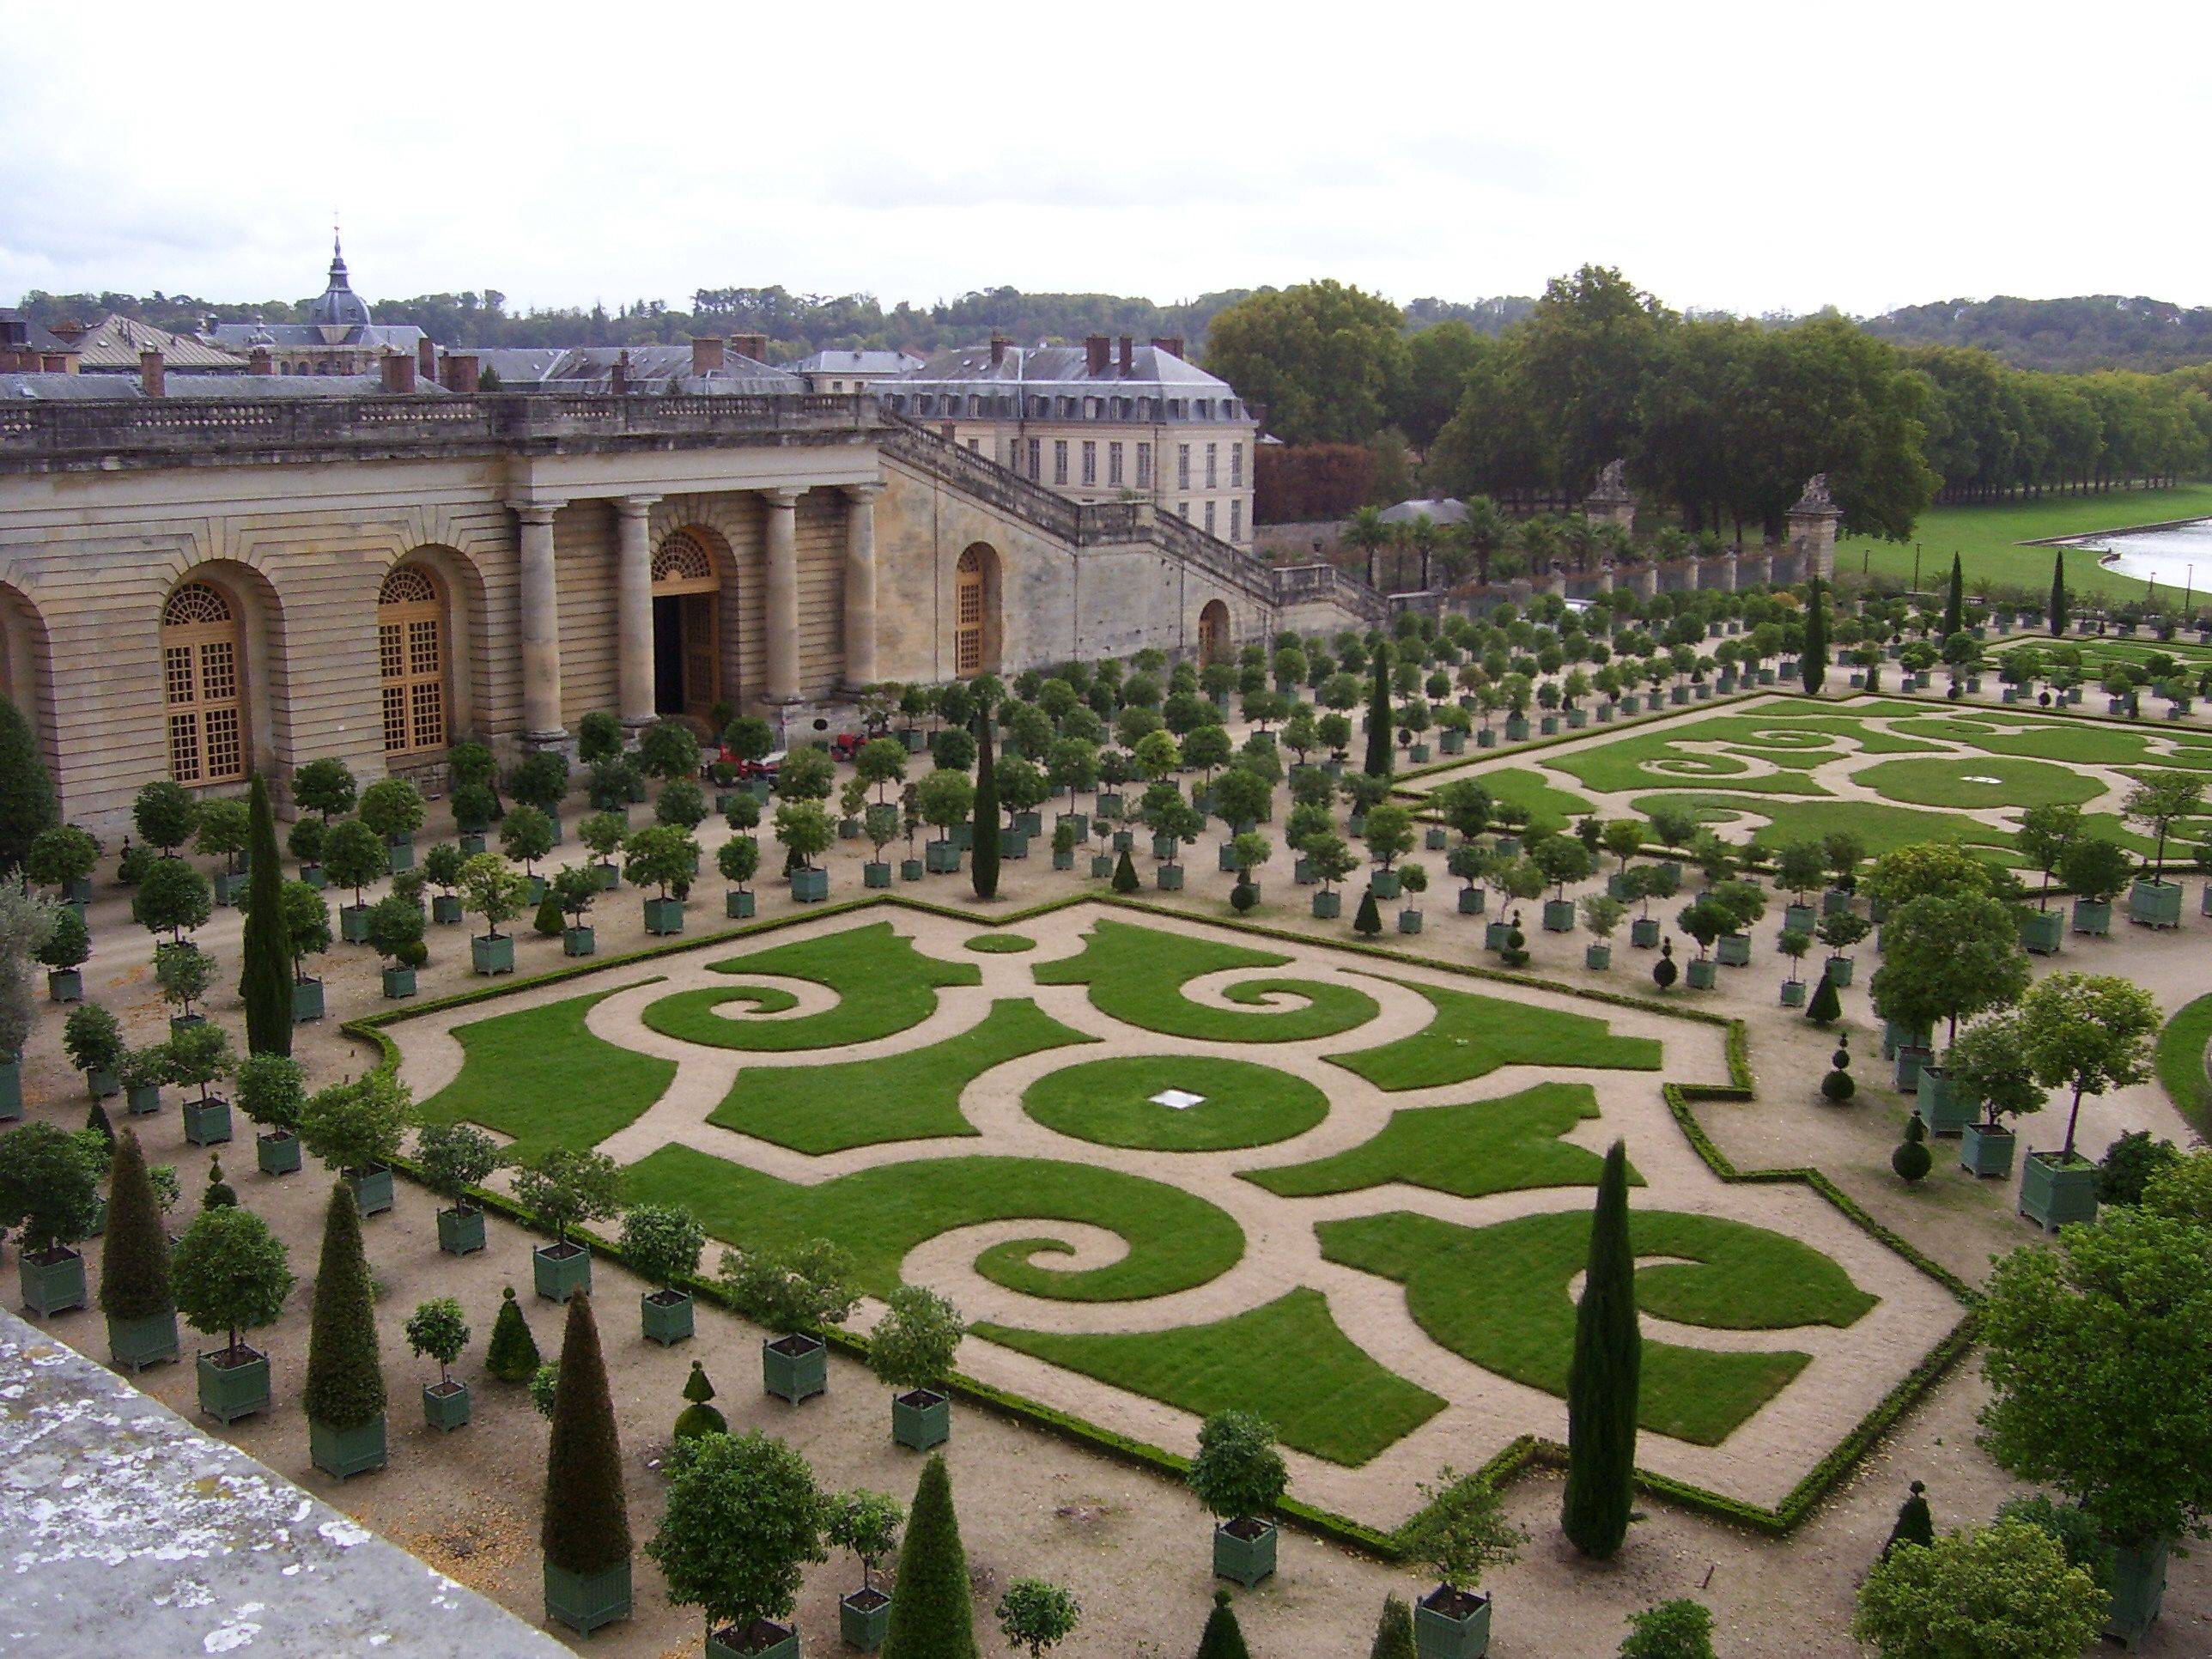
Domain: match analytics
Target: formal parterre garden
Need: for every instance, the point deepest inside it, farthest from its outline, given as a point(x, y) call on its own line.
point(1192, 1166)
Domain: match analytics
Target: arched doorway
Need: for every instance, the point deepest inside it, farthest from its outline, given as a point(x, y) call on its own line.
point(686, 591)
point(1213, 642)
point(204, 679)
point(975, 612)
point(411, 655)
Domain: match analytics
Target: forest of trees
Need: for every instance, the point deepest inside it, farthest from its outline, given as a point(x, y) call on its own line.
point(2093, 330)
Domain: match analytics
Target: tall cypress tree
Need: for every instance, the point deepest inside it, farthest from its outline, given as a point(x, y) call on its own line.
point(1813, 665)
point(932, 1616)
point(1378, 716)
point(1954, 601)
point(27, 793)
point(1602, 1377)
point(983, 856)
point(586, 1525)
point(134, 1270)
point(2057, 593)
point(345, 1380)
point(265, 984)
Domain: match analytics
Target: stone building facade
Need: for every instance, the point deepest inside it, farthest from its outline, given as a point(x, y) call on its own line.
point(202, 585)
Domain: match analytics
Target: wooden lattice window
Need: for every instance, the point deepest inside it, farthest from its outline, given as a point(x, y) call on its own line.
point(969, 612)
point(410, 657)
point(203, 670)
point(681, 565)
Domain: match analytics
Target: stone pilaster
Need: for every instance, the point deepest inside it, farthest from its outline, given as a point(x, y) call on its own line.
point(861, 585)
point(1812, 526)
point(541, 625)
point(781, 544)
point(634, 611)
point(1728, 566)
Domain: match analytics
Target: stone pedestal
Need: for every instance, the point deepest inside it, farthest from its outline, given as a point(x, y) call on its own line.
point(1813, 525)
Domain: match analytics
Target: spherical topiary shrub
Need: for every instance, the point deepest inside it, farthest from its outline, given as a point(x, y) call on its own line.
point(1838, 1085)
point(1911, 1160)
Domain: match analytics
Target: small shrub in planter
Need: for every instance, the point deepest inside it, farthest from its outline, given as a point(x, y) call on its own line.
point(438, 1330)
point(1460, 1531)
point(664, 856)
point(93, 1039)
point(494, 890)
point(50, 1198)
point(912, 1350)
point(357, 1128)
point(866, 1523)
point(395, 931)
point(661, 1242)
point(142, 1072)
point(135, 1292)
point(795, 1292)
point(566, 1188)
point(196, 1057)
point(743, 1519)
point(454, 1159)
point(1038, 1615)
point(738, 860)
point(230, 1273)
point(271, 1094)
point(1239, 1475)
point(64, 954)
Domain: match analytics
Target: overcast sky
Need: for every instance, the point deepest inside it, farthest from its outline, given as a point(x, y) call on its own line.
point(1751, 158)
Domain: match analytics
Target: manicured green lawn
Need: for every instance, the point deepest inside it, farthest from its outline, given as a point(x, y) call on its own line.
point(1109, 1102)
point(2181, 1055)
point(883, 984)
point(999, 945)
point(1469, 1150)
point(1782, 737)
point(1136, 974)
point(1951, 782)
point(1473, 1035)
point(1288, 1361)
point(1883, 829)
point(541, 1076)
point(1175, 1239)
point(1548, 806)
point(1987, 540)
point(864, 1103)
point(1498, 1296)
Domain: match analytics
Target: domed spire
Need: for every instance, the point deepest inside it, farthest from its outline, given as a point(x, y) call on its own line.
point(339, 309)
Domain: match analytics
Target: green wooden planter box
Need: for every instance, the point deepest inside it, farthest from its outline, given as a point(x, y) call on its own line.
point(2052, 1194)
point(964, 837)
point(53, 1286)
point(1734, 950)
point(1547, 725)
point(1558, 915)
point(1485, 739)
point(942, 858)
point(65, 985)
point(560, 1271)
point(921, 1420)
point(1109, 804)
point(1793, 993)
point(2156, 904)
point(445, 909)
point(345, 1453)
point(667, 1316)
point(1227, 857)
point(534, 890)
point(135, 1343)
point(473, 842)
point(353, 923)
point(609, 875)
point(371, 1190)
point(2041, 930)
point(1835, 901)
point(579, 941)
point(1165, 847)
point(1605, 713)
point(2205, 901)
point(398, 984)
point(1840, 969)
point(1598, 958)
point(1472, 901)
point(1059, 861)
point(795, 1368)
point(864, 1619)
point(737, 906)
point(1245, 1551)
point(446, 1406)
point(848, 829)
point(1798, 917)
point(2092, 916)
point(1168, 878)
point(875, 873)
point(1409, 920)
point(1517, 731)
point(665, 916)
point(228, 1392)
point(460, 1231)
point(765, 1640)
point(11, 1091)
point(1080, 820)
point(277, 1154)
point(313, 875)
point(228, 887)
point(143, 1099)
point(586, 1601)
point(1452, 742)
point(207, 1122)
point(910, 869)
point(1455, 1627)
point(1124, 840)
point(1385, 883)
point(1643, 932)
point(2138, 1590)
point(1703, 972)
point(1941, 1107)
point(1507, 847)
point(1327, 907)
point(1013, 842)
point(1102, 866)
point(1912, 1057)
point(490, 957)
point(809, 886)
point(307, 1001)
point(1986, 1149)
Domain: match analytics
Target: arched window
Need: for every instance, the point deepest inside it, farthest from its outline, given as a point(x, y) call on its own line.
point(971, 611)
point(1213, 645)
point(203, 675)
point(410, 656)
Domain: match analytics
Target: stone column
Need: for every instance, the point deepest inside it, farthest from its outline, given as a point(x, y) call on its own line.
point(1728, 571)
point(1645, 581)
point(1605, 576)
point(1762, 568)
point(634, 611)
point(541, 625)
point(781, 541)
point(861, 585)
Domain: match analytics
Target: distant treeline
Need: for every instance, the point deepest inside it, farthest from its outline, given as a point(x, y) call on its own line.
point(2093, 331)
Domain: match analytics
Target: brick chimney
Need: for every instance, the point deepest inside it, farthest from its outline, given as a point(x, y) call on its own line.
point(999, 344)
point(706, 353)
point(1170, 343)
point(1128, 355)
point(1097, 351)
point(153, 374)
point(426, 361)
point(754, 346)
point(261, 361)
point(398, 372)
point(459, 371)
point(619, 377)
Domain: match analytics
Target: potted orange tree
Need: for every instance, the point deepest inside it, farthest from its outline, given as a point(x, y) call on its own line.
point(912, 1350)
point(1239, 1475)
point(795, 1292)
point(565, 1189)
point(661, 1243)
point(1460, 1531)
point(867, 1523)
point(230, 1273)
point(743, 1519)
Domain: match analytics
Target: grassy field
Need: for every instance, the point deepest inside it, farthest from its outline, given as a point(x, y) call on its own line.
point(1109, 1102)
point(883, 984)
point(1498, 1296)
point(1548, 806)
point(541, 1076)
point(1288, 1361)
point(915, 1096)
point(1468, 1150)
point(1987, 540)
point(1136, 974)
point(1473, 1035)
point(1951, 782)
point(1176, 1240)
point(2181, 1055)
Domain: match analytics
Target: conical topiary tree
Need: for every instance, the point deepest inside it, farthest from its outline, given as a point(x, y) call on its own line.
point(1839, 1085)
point(345, 1380)
point(549, 921)
point(27, 793)
point(1377, 763)
point(134, 1269)
point(1223, 1637)
point(1914, 1524)
point(1603, 1378)
point(983, 852)
point(1368, 921)
point(513, 1355)
point(586, 1525)
point(2057, 593)
point(266, 981)
point(1826, 1007)
point(698, 1418)
point(932, 1616)
point(1125, 874)
point(1393, 1632)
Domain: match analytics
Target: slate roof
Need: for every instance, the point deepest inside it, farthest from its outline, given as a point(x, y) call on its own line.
point(862, 361)
point(1149, 365)
point(114, 342)
point(652, 368)
point(238, 337)
point(95, 388)
point(17, 330)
